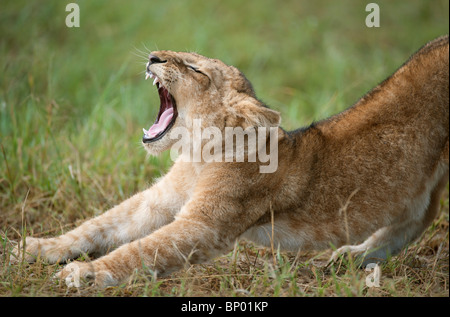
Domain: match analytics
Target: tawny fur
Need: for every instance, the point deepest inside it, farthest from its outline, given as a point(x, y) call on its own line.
point(369, 178)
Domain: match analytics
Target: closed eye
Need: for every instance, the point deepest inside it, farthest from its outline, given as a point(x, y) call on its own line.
point(195, 69)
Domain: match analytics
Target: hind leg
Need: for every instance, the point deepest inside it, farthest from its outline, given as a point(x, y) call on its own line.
point(390, 240)
point(383, 243)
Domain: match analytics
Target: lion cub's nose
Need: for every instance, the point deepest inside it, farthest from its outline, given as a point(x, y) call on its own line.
point(155, 59)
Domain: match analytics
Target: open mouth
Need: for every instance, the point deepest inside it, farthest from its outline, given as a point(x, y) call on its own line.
point(166, 116)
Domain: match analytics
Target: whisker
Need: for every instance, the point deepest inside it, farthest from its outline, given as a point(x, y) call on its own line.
point(141, 51)
point(140, 63)
point(140, 56)
point(149, 51)
point(141, 72)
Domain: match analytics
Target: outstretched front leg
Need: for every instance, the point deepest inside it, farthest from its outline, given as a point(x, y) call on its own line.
point(187, 239)
point(134, 218)
point(207, 226)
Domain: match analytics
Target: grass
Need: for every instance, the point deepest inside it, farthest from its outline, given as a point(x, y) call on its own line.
point(73, 103)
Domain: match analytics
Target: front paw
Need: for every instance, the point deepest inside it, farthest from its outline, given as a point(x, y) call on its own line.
point(76, 274)
point(28, 252)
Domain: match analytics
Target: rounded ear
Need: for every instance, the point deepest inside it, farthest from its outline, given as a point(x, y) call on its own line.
point(255, 114)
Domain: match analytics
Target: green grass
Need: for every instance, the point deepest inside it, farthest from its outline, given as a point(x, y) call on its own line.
point(73, 103)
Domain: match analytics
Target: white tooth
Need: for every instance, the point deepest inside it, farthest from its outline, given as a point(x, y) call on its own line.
point(147, 75)
point(155, 81)
point(145, 131)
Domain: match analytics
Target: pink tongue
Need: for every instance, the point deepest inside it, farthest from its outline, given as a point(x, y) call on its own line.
point(163, 122)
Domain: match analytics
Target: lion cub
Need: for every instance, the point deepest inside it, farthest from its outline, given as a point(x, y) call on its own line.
point(367, 180)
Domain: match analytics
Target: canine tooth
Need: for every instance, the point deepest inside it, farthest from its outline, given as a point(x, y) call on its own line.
point(155, 81)
point(147, 75)
point(145, 131)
